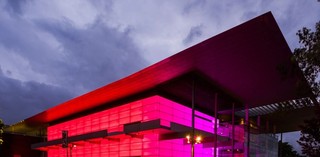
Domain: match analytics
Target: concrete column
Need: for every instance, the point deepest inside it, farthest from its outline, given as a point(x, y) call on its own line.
point(215, 124)
point(193, 111)
point(258, 152)
point(247, 122)
point(233, 129)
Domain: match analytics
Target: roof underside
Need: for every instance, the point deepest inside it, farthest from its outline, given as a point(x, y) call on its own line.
point(250, 64)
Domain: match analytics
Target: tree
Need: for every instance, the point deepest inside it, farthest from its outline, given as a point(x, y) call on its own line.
point(308, 58)
point(1, 131)
point(310, 137)
point(286, 150)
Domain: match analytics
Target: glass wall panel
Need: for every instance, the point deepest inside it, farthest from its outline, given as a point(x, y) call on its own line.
point(150, 143)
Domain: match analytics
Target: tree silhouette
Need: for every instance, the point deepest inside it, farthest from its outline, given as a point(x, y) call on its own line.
point(308, 57)
point(310, 137)
point(287, 150)
point(1, 131)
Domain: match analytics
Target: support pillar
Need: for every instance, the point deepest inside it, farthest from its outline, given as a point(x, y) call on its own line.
point(233, 129)
point(258, 149)
point(280, 145)
point(267, 138)
point(192, 119)
point(215, 124)
point(247, 122)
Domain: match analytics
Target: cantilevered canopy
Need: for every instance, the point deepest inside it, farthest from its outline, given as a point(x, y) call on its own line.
point(249, 64)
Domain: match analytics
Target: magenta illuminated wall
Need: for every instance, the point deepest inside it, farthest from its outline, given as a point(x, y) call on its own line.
point(148, 144)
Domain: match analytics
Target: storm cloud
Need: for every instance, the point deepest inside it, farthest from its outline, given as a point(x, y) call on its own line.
point(20, 99)
point(45, 61)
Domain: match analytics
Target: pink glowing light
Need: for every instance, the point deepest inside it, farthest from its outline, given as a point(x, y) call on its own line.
point(114, 119)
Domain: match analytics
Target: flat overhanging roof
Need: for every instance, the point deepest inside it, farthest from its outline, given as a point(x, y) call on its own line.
point(250, 63)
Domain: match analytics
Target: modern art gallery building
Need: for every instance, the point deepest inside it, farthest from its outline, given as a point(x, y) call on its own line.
point(226, 96)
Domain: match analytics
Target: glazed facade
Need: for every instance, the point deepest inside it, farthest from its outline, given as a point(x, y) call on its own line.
point(153, 127)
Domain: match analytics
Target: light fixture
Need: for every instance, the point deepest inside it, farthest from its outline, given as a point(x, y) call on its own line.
point(197, 139)
point(188, 138)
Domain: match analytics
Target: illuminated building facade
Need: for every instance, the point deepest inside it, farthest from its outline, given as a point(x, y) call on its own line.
point(150, 127)
point(141, 128)
point(226, 96)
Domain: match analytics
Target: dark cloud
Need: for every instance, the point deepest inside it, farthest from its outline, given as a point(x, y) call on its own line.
point(80, 60)
point(86, 58)
point(15, 6)
point(19, 100)
point(93, 56)
point(194, 33)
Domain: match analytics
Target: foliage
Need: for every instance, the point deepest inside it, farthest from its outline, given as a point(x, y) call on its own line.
point(310, 137)
point(1, 131)
point(308, 56)
point(286, 150)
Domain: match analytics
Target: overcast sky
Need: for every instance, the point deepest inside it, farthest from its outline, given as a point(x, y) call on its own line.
point(54, 50)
